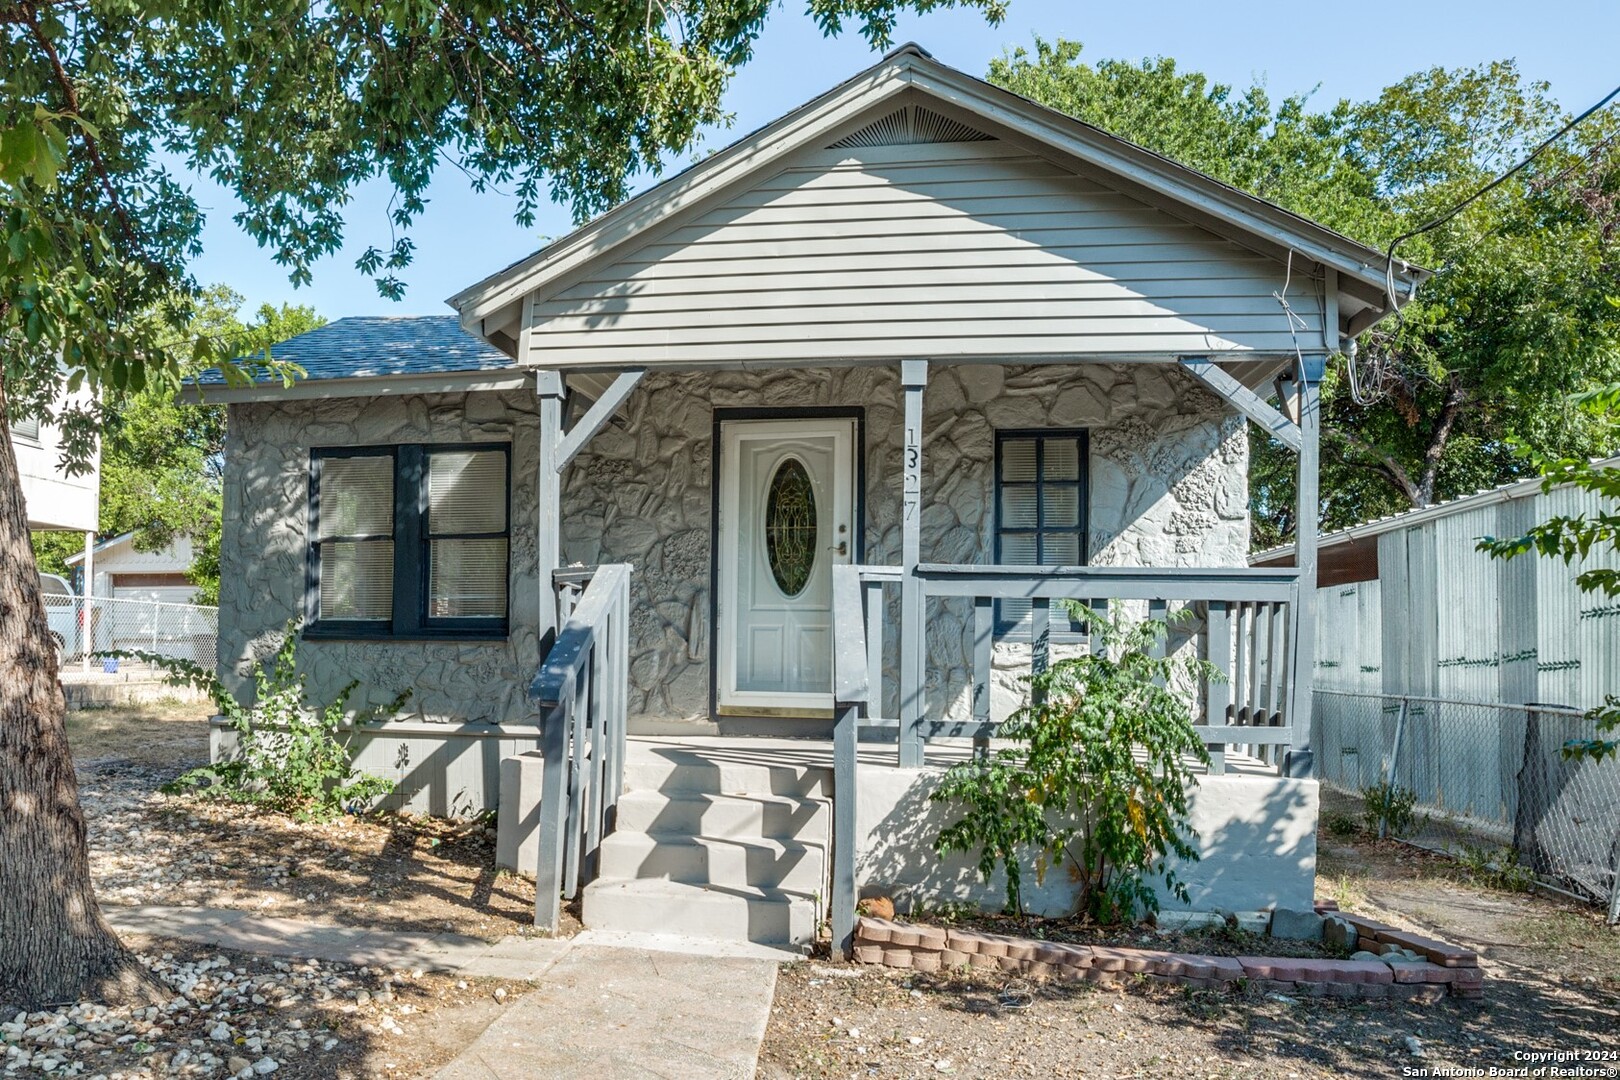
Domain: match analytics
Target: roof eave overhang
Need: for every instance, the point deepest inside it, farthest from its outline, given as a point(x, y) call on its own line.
point(455, 382)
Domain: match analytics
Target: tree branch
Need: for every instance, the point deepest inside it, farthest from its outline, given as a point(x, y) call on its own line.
point(1382, 462)
point(28, 15)
point(1456, 397)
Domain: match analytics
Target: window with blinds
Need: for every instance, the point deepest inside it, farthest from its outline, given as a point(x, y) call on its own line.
point(27, 428)
point(409, 541)
point(466, 534)
point(355, 532)
point(1041, 504)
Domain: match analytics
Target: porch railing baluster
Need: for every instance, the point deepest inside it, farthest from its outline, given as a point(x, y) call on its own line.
point(581, 697)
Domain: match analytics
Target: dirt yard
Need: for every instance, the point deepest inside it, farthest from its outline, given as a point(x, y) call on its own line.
point(387, 871)
point(1554, 985)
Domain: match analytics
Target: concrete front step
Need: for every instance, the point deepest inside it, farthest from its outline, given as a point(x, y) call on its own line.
point(729, 862)
point(674, 771)
point(701, 813)
point(770, 916)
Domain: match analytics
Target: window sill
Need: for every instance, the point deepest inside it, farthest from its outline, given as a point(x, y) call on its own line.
point(330, 633)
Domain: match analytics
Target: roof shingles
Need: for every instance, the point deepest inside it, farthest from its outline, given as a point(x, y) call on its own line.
point(380, 346)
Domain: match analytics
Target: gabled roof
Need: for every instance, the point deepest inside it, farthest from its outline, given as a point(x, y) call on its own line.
point(419, 352)
point(490, 303)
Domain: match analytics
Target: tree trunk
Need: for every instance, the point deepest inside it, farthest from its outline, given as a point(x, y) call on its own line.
point(54, 944)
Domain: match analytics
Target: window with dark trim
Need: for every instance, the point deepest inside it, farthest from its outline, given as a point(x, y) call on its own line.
point(1042, 499)
point(409, 541)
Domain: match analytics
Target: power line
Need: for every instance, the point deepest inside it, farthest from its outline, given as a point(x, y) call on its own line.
point(1389, 256)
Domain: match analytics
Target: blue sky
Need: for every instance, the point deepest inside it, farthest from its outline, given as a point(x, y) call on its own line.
point(1289, 47)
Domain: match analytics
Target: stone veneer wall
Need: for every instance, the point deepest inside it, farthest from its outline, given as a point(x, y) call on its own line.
point(1168, 488)
point(263, 551)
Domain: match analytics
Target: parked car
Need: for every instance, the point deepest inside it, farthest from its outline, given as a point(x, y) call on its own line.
point(62, 613)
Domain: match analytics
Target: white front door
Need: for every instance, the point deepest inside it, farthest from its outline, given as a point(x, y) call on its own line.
point(787, 516)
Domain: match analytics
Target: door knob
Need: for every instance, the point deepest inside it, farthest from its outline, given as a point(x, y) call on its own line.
point(841, 548)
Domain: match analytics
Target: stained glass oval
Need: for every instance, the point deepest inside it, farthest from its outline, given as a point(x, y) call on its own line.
point(790, 526)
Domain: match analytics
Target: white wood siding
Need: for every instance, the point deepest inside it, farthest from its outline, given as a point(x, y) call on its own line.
point(937, 250)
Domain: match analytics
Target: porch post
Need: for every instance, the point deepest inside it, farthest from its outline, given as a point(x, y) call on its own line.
point(913, 647)
point(1299, 760)
point(548, 490)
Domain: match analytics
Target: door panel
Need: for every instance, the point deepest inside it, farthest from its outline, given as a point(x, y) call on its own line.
point(786, 518)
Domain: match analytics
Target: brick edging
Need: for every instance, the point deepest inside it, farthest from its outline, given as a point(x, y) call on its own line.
point(1443, 970)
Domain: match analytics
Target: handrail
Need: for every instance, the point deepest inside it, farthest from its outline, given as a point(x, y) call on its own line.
point(1115, 582)
point(558, 677)
point(581, 693)
point(855, 668)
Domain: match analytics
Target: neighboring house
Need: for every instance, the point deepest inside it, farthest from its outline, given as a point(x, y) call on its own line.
point(1408, 606)
point(989, 354)
point(55, 499)
point(124, 572)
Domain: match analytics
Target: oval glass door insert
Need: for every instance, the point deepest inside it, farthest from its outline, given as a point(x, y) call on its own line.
point(790, 526)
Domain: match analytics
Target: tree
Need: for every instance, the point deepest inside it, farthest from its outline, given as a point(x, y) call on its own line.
point(1496, 342)
point(160, 461)
point(290, 106)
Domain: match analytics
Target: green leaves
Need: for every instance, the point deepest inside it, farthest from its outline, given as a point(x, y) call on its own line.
point(290, 755)
point(1096, 779)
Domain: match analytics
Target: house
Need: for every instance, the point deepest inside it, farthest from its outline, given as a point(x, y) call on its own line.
point(124, 572)
point(799, 445)
point(56, 499)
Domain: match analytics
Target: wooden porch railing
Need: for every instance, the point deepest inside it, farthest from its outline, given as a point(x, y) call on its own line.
point(1243, 631)
point(580, 692)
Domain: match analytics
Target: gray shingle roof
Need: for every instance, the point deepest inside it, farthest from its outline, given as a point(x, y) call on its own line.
point(375, 346)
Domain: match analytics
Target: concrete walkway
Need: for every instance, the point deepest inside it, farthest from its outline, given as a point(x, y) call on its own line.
point(606, 1006)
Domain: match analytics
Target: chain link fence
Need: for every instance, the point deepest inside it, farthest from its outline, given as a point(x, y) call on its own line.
point(1483, 777)
point(83, 627)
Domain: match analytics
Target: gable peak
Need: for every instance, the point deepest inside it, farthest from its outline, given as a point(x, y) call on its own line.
point(910, 125)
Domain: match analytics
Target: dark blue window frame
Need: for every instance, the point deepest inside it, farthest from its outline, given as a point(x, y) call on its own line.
point(1014, 628)
point(412, 533)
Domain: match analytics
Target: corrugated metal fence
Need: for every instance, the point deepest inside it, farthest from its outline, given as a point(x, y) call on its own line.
point(1484, 777)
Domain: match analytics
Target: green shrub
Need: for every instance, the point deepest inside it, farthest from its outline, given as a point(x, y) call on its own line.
point(1495, 868)
point(1339, 823)
point(1071, 791)
point(1389, 808)
point(290, 757)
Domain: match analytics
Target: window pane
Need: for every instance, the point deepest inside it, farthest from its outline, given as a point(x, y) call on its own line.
point(1060, 549)
point(1061, 507)
point(467, 492)
point(357, 579)
point(27, 428)
point(1018, 549)
point(357, 496)
point(1018, 459)
point(467, 579)
point(1061, 459)
point(1018, 508)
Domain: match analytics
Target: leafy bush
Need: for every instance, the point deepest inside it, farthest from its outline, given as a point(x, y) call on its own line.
point(1096, 779)
point(1340, 823)
point(1495, 868)
point(289, 757)
point(1389, 808)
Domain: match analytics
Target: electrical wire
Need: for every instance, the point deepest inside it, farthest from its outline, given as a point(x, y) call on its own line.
point(1389, 256)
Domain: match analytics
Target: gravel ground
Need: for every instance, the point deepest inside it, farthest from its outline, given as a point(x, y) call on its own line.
point(390, 870)
point(235, 1014)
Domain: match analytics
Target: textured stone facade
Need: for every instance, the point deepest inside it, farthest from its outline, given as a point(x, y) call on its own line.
point(264, 549)
point(1168, 488)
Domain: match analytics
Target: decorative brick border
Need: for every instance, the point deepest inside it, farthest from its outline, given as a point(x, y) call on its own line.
point(1444, 969)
